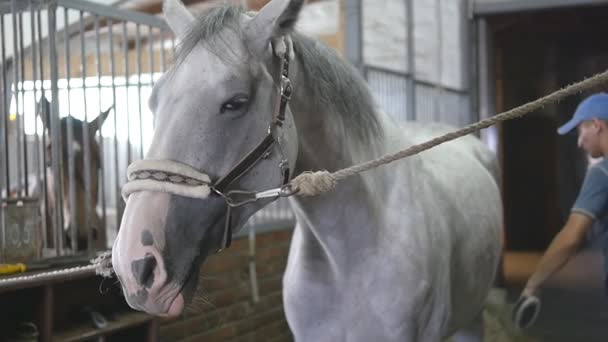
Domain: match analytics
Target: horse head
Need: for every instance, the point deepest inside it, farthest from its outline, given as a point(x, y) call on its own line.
point(223, 127)
point(76, 136)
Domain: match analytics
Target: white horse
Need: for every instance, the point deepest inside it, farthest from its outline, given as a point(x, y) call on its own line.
point(406, 252)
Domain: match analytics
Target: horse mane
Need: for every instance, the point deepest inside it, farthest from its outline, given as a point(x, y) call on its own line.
point(333, 84)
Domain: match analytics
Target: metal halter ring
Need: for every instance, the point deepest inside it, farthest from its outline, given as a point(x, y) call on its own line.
point(237, 198)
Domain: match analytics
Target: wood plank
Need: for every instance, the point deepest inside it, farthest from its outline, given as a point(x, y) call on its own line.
point(584, 271)
point(46, 328)
point(82, 332)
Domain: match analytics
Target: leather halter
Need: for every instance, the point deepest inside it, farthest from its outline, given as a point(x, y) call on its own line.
point(181, 179)
point(237, 198)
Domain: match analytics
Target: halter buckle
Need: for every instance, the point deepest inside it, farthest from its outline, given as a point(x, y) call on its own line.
point(286, 88)
point(237, 198)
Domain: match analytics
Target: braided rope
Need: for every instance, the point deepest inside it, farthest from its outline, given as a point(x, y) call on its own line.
point(102, 265)
point(315, 183)
point(47, 275)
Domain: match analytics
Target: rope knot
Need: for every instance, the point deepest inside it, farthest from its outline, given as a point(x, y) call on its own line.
point(314, 183)
point(103, 265)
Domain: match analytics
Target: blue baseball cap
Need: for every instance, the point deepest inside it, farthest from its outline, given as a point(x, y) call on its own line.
point(593, 107)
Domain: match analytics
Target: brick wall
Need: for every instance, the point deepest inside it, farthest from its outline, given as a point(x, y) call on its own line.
point(225, 310)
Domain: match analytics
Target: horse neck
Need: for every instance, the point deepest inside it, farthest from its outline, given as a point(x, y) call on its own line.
point(354, 204)
point(326, 140)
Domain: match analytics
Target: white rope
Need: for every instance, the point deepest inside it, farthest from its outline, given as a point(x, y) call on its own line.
point(315, 183)
point(102, 265)
point(46, 275)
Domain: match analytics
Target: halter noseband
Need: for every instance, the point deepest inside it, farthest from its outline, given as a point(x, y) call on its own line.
point(184, 180)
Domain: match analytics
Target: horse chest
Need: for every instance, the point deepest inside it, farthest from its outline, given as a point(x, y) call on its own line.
point(370, 303)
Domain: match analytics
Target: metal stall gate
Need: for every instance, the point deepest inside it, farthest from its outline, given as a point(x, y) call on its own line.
point(433, 102)
point(75, 80)
point(414, 57)
point(64, 63)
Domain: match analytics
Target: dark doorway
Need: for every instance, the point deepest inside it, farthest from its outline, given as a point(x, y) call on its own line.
point(536, 54)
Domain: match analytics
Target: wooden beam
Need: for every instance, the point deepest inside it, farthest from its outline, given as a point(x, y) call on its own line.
point(585, 270)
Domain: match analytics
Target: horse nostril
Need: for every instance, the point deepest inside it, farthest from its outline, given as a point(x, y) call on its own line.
point(143, 270)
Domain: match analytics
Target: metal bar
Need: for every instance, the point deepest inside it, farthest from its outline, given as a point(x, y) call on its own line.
point(143, 83)
point(21, 6)
point(34, 57)
point(172, 46)
point(45, 188)
point(4, 186)
point(85, 137)
point(253, 278)
point(353, 42)
point(101, 168)
point(113, 76)
point(73, 30)
point(411, 58)
point(113, 12)
point(151, 52)
point(437, 115)
point(379, 69)
point(22, 116)
point(374, 68)
point(163, 63)
point(55, 129)
point(138, 52)
point(125, 43)
point(486, 94)
point(467, 55)
point(18, 120)
point(70, 136)
point(487, 106)
point(469, 60)
point(5, 109)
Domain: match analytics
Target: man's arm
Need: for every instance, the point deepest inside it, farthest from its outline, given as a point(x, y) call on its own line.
point(566, 244)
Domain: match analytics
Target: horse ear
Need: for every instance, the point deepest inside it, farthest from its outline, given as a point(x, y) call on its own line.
point(178, 17)
point(274, 20)
point(44, 110)
point(96, 124)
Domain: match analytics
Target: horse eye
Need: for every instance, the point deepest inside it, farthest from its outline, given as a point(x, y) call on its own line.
point(236, 103)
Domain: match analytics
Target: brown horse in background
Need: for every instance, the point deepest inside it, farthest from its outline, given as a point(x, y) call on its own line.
point(83, 216)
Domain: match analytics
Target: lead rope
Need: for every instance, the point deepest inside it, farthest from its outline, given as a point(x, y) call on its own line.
point(315, 183)
point(101, 265)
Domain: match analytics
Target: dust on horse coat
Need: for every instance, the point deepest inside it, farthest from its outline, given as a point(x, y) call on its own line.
point(406, 252)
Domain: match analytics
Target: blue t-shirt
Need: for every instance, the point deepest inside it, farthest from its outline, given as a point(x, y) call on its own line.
point(592, 201)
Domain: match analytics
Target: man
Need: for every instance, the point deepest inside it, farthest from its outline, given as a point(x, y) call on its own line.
point(590, 207)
